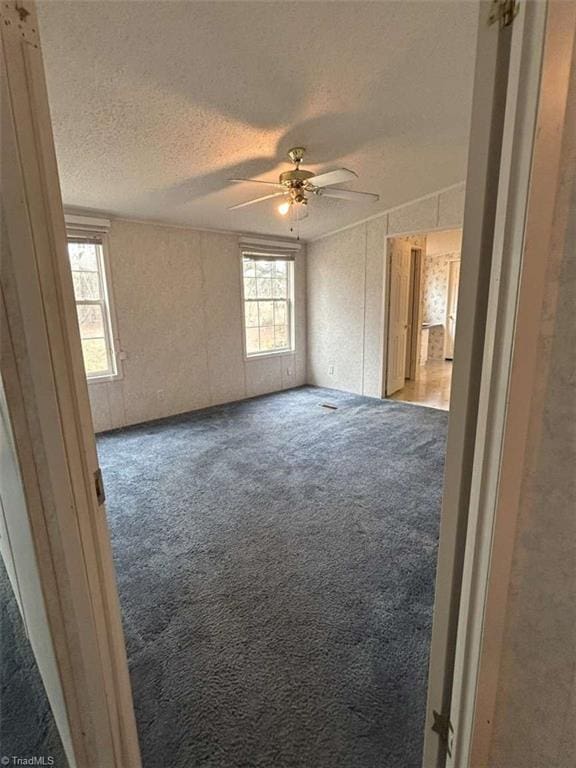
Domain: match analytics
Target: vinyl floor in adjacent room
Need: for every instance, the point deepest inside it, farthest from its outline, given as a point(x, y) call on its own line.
point(276, 563)
point(431, 387)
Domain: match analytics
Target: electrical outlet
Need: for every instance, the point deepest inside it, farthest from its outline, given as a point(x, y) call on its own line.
point(330, 370)
point(288, 371)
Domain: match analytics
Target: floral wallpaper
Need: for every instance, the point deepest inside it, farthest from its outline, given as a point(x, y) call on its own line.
point(436, 343)
point(434, 298)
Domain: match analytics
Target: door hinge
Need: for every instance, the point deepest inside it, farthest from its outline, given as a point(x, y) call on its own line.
point(99, 486)
point(503, 12)
point(443, 727)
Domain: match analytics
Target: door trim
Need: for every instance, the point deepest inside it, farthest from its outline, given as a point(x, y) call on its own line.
point(542, 56)
point(484, 161)
point(51, 419)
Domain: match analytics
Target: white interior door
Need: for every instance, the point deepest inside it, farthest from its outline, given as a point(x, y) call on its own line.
point(451, 308)
point(399, 316)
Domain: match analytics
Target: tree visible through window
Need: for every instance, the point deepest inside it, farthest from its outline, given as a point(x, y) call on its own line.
point(267, 303)
point(87, 264)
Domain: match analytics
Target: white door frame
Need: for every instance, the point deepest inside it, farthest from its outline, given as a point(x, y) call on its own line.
point(47, 398)
point(543, 54)
point(505, 97)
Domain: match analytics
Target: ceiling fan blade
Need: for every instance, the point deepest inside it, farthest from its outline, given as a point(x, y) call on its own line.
point(348, 194)
point(255, 181)
point(333, 177)
point(256, 200)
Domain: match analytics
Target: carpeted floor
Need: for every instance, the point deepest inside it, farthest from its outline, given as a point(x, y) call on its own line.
point(276, 563)
point(276, 571)
point(27, 727)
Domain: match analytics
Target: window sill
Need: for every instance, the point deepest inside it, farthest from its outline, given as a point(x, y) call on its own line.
point(266, 355)
point(106, 379)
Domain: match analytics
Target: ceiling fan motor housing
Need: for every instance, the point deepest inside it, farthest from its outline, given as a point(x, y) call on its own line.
point(295, 178)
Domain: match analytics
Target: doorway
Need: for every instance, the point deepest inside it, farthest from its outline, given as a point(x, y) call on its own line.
point(422, 302)
point(467, 376)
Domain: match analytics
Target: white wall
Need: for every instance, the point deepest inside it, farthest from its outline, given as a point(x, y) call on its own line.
point(441, 243)
point(346, 284)
point(177, 295)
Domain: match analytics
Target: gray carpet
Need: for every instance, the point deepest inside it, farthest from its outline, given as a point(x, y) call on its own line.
point(27, 727)
point(276, 571)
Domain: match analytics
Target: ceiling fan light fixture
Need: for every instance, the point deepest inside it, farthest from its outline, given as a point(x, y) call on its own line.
point(298, 185)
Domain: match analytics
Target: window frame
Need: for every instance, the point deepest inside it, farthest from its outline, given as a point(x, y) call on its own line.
point(105, 302)
point(290, 260)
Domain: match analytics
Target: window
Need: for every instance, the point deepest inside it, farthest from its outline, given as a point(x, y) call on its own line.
point(268, 316)
point(92, 305)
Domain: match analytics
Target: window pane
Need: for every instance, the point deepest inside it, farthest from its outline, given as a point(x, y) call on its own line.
point(252, 314)
point(90, 321)
point(280, 313)
point(86, 285)
point(266, 338)
point(267, 317)
point(95, 356)
point(83, 256)
point(264, 288)
point(264, 268)
point(279, 288)
point(252, 341)
point(93, 318)
point(281, 268)
point(280, 336)
point(266, 314)
point(250, 287)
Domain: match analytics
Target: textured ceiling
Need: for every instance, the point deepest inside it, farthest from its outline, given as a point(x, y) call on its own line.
point(156, 104)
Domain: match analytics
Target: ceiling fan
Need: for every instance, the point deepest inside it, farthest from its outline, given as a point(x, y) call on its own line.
point(296, 187)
